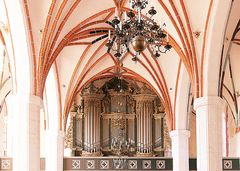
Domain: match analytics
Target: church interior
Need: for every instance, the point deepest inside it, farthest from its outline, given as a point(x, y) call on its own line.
point(119, 85)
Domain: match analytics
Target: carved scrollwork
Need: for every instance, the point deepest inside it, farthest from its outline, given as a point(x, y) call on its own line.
point(119, 108)
point(131, 104)
point(167, 139)
point(69, 136)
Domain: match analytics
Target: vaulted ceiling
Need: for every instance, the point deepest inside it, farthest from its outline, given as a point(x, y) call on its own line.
point(230, 64)
point(60, 39)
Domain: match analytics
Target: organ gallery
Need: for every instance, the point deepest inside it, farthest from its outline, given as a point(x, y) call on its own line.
point(117, 117)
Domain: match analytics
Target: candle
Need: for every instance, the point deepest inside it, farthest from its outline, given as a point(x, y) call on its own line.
point(130, 4)
point(120, 25)
point(167, 38)
point(125, 16)
point(109, 34)
point(139, 15)
point(116, 12)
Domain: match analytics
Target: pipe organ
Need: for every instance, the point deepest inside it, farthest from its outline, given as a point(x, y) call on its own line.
point(117, 119)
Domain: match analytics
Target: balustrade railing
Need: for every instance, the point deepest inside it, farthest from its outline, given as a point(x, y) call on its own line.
point(124, 163)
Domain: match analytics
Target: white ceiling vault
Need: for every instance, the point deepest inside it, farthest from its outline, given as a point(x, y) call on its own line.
point(229, 88)
point(60, 37)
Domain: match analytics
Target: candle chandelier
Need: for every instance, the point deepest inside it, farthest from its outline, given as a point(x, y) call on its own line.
point(131, 28)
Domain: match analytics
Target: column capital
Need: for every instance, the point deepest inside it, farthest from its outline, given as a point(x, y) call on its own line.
point(177, 133)
point(159, 115)
point(209, 100)
point(73, 114)
point(36, 100)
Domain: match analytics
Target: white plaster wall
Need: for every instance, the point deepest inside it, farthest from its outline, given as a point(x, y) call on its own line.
point(22, 55)
point(3, 132)
point(53, 102)
point(234, 146)
point(182, 100)
point(42, 134)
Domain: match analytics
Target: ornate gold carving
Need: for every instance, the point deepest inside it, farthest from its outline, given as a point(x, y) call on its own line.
point(92, 154)
point(119, 123)
point(158, 115)
point(167, 139)
point(74, 107)
point(145, 90)
point(91, 90)
point(119, 106)
point(79, 116)
point(138, 154)
point(69, 136)
point(117, 115)
point(131, 104)
point(161, 108)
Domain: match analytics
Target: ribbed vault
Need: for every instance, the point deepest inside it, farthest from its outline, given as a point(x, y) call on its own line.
point(62, 36)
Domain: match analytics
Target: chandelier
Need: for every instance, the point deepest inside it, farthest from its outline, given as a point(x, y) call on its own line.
point(131, 28)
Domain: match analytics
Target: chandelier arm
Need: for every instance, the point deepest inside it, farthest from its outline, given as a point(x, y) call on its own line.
point(165, 51)
point(110, 23)
point(139, 30)
point(100, 38)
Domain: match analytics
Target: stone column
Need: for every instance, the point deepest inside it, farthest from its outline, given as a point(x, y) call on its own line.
point(26, 129)
point(92, 112)
point(54, 150)
point(144, 112)
point(209, 132)
point(180, 150)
